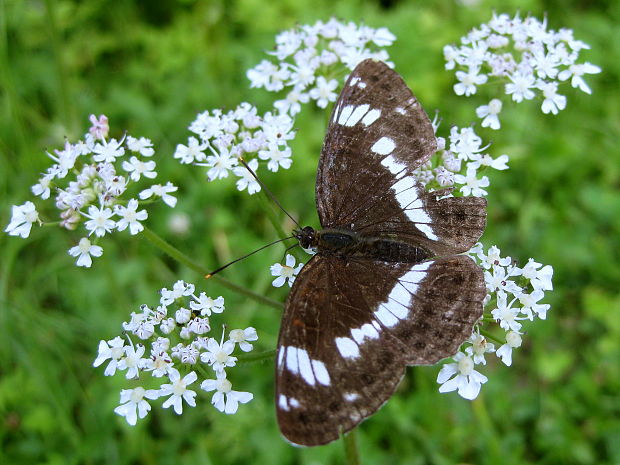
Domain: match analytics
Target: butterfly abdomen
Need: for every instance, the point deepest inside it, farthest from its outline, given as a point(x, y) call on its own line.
point(351, 244)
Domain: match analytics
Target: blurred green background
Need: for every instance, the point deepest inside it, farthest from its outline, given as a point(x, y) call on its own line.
point(151, 66)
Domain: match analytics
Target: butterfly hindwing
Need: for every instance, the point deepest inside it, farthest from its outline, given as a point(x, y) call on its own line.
point(350, 328)
point(377, 135)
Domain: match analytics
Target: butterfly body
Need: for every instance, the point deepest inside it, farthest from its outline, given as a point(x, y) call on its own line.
point(346, 243)
point(388, 286)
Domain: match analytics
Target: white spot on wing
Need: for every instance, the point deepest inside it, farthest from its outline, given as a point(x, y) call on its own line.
point(393, 165)
point(383, 146)
point(322, 376)
point(357, 115)
point(294, 402)
point(345, 113)
point(385, 316)
point(305, 368)
point(350, 396)
point(361, 85)
point(408, 198)
point(291, 359)
point(355, 80)
point(371, 117)
point(400, 110)
point(347, 347)
point(282, 402)
point(281, 356)
point(370, 331)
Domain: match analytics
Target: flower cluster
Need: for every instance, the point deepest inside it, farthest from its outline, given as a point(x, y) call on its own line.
point(92, 181)
point(513, 295)
point(223, 138)
point(182, 317)
point(531, 59)
point(307, 57)
point(459, 163)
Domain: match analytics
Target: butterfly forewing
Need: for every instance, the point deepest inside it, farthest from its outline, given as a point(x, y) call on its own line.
point(377, 135)
point(355, 325)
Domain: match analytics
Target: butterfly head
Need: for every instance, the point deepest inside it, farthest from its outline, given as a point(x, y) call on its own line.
point(306, 236)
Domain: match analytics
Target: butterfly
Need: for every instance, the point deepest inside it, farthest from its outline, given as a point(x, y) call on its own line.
point(388, 286)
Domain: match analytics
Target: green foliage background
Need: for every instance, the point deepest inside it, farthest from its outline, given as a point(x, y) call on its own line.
point(151, 66)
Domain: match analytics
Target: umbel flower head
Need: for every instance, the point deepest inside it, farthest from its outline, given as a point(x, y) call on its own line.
point(176, 334)
point(97, 185)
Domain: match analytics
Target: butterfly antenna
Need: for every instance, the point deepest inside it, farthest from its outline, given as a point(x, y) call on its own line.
point(207, 276)
point(273, 197)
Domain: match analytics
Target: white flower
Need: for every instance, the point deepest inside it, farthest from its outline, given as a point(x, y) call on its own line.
point(241, 336)
point(575, 72)
point(479, 347)
point(506, 316)
point(521, 86)
point(108, 152)
point(489, 113)
point(161, 191)
point(469, 81)
point(461, 376)
point(553, 102)
point(179, 289)
point(143, 146)
point(472, 185)
point(225, 399)
point(530, 305)
point(221, 164)
point(218, 355)
point(182, 315)
point(206, 305)
point(99, 222)
point(42, 188)
point(113, 350)
point(285, 272)
point(22, 217)
point(292, 103)
point(139, 168)
point(132, 400)
point(493, 258)
point(323, 92)
point(497, 279)
point(130, 217)
point(178, 391)
point(277, 157)
point(83, 251)
point(539, 278)
point(191, 153)
point(133, 361)
point(159, 364)
point(513, 341)
point(246, 179)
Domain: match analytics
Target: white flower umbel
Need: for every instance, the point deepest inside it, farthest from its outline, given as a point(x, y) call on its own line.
point(183, 317)
point(225, 399)
point(286, 272)
point(307, 58)
point(529, 58)
point(223, 138)
point(513, 298)
point(89, 182)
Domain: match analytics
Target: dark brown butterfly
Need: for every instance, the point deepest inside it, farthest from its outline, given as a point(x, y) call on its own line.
point(386, 288)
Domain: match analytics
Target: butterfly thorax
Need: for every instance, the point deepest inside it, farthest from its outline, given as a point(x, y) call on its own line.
point(346, 243)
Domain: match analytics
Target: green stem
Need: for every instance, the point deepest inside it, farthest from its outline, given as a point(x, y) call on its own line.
point(179, 256)
point(260, 356)
point(488, 335)
point(351, 451)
